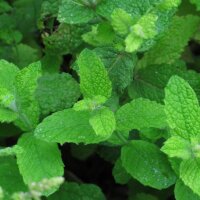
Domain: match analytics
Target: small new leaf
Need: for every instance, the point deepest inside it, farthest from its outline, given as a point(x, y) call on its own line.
point(177, 147)
point(103, 122)
point(121, 21)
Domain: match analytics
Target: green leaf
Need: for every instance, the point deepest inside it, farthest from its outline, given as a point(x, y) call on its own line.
point(151, 81)
point(142, 160)
point(56, 92)
point(49, 7)
point(5, 7)
point(182, 108)
point(153, 134)
point(196, 3)
point(120, 174)
point(36, 159)
point(25, 102)
point(147, 164)
point(103, 122)
point(177, 147)
point(133, 7)
point(169, 4)
point(94, 78)
point(51, 63)
point(7, 115)
point(68, 126)
point(190, 172)
point(6, 98)
point(79, 192)
point(24, 55)
point(146, 26)
point(140, 113)
point(121, 21)
point(55, 43)
point(143, 196)
point(74, 12)
point(11, 180)
point(82, 152)
point(119, 138)
point(8, 72)
point(182, 192)
point(119, 65)
point(178, 40)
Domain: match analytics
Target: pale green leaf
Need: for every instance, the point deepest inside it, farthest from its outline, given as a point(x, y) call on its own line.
point(103, 121)
point(36, 159)
point(133, 42)
point(94, 78)
point(121, 21)
point(177, 147)
point(6, 97)
point(68, 126)
point(182, 108)
point(8, 72)
point(146, 26)
point(169, 4)
point(147, 164)
point(25, 103)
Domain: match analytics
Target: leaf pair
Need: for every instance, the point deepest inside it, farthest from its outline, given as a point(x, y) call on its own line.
point(143, 160)
point(183, 114)
point(17, 99)
point(88, 121)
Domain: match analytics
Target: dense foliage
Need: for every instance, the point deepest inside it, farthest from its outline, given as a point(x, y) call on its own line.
point(99, 99)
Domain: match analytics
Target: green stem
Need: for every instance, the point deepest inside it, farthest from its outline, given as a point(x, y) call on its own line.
point(122, 138)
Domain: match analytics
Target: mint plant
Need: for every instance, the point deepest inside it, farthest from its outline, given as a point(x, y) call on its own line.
point(99, 99)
